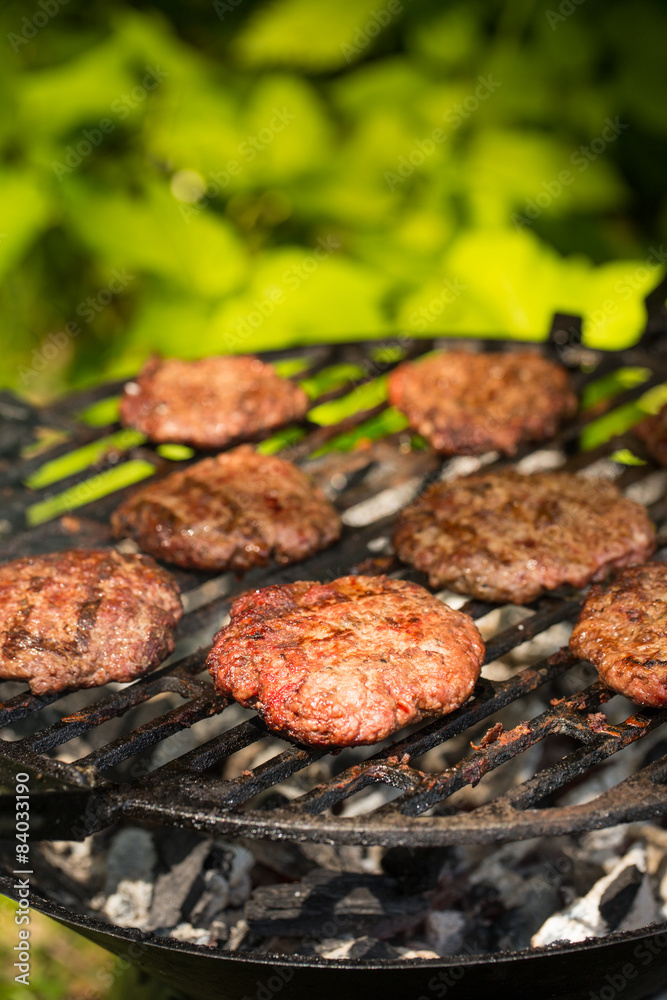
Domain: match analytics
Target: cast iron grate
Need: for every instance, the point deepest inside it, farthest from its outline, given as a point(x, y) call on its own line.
point(77, 798)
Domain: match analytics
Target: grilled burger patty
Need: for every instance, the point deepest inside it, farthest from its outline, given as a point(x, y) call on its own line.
point(466, 403)
point(502, 536)
point(84, 617)
point(653, 432)
point(233, 511)
point(211, 402)
point(347, 662)
point(622, 630)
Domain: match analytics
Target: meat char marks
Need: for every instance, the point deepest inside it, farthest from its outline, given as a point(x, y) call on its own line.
point(502, 536)
point(84, 617)
point(211, 402)
point(465, 403)
point(347, 662)
point(622, 630)
point(233, 511)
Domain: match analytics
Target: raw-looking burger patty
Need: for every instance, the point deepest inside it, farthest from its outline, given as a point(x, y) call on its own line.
point(346, 662)
point(211, 402)
point(502, 536)
point(653, 432)
point(466, 403)
point(84, 617)
point(233, 511)
point(622, 630)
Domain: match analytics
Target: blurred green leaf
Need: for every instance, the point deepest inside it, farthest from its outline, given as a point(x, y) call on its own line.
point(290, 366)
point(623, 418)
point(79, 459)
point(449, 39)
point(364, 397)
point(654, 400)
point(528, 174)
point(281, 439)
point(390, 421)
point(429, 142)
point(390, 84)
point(625, 457)
point(411, 248)
point(610, 425)
point(92, 489)
point(329, 378)
point(298, 295)
point(322, 36)
point(169, 323)
point(612, 300)
point(490, 281)
point(175, 452)
point(78, 92)
point(495, 281)
point(25, 210)
point(287, 132)
point(101, 413)
point(154, 233)
point(612, 385)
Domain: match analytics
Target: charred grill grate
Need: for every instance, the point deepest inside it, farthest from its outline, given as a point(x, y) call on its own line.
point(73, 799)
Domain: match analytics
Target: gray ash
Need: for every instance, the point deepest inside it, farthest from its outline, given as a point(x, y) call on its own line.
point(356, 902)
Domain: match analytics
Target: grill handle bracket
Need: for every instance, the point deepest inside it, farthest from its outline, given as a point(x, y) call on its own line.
point(655, 331)
point(564, 339)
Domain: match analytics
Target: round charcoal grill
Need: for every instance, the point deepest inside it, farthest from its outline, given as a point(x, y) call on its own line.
point(70, 800)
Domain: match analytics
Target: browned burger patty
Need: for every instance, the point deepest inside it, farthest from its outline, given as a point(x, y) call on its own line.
point(82, 618)
point(346, 662)
point(233, 511)
point(502, 536)
point(622, 630)
point(211, 402)
point(466, 403)
point(653, 432)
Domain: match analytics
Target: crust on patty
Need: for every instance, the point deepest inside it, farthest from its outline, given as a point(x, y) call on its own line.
point(84, 617)
point(503, 536)
point(622, 630)
point(233, 511)
point(466, 403)
point(347, 662)
point(653, 432)
point(211, 402)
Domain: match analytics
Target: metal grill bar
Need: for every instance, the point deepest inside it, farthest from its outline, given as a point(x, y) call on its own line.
point(153, 732)
point(188, 790)
point(580, 761)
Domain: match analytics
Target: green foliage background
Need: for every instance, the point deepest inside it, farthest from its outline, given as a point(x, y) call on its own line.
point(238, 175)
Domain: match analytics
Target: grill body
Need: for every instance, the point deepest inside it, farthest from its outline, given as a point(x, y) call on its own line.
point(633, 964)
point(73, 798)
